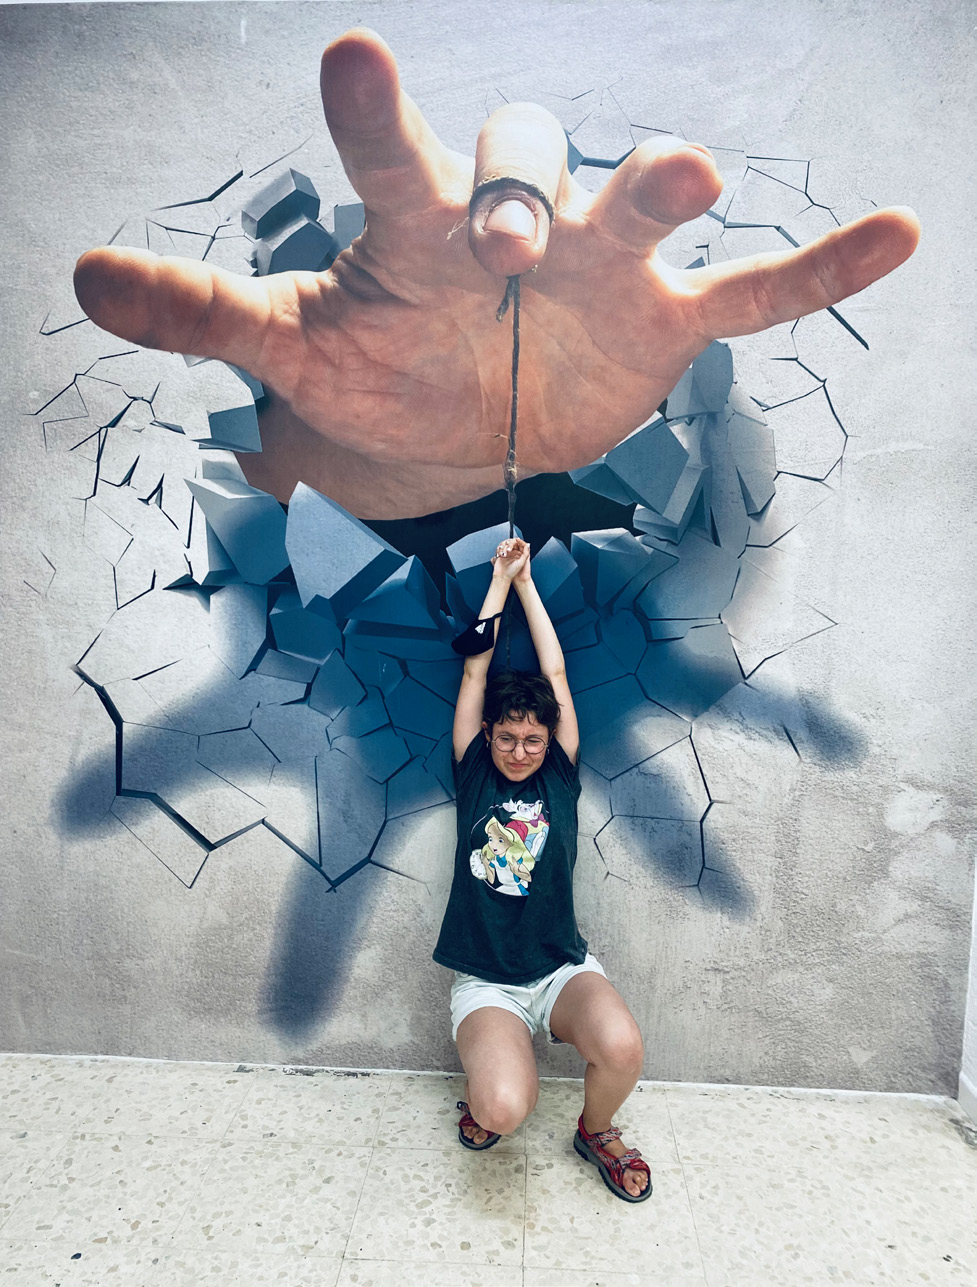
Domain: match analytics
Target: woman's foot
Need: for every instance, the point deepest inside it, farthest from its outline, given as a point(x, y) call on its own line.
point(470, 1133)
point(600, 1138)
point(475, 1133)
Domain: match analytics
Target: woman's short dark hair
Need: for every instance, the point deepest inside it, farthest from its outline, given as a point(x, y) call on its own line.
point(517, 694)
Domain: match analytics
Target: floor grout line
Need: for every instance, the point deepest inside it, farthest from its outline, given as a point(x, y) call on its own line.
point(688, 1195)
point(213, 1161)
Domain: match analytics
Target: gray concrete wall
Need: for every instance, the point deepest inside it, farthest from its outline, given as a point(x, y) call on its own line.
point(967, 1088)
point(838, 954)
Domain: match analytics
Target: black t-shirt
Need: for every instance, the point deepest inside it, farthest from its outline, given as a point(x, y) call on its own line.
point(510, 914)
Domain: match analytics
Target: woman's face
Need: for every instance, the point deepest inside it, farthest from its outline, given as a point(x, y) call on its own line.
point(517, 764)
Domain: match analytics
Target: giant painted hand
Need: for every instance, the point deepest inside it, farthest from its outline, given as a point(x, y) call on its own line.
point(389, 372)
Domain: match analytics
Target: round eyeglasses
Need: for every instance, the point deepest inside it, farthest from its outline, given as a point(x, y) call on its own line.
point(505, 743)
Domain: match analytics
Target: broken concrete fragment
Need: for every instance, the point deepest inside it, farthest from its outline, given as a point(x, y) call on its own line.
point(351, 812)
point(238, 625)
point(301, 632)
point(175, 847)
point(249, 524)
point(152, 631)
point(337, 560)
point(667, 785)
point(348, 222)
point(293, 733)
point(705, 385)
point(413, 788)
point(335, 687)
point(471, 563)
point(612, 562)
point(689, 675)
point(280, 201)
point(406, 598)
point(619, 728)
point(810, 441)
point(698, 585)
point(302, 245)
point(210, 403)
point(281, 665)
point(671, 849)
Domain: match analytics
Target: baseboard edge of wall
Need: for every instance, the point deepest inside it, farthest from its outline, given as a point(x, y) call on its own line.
point(967, 1097)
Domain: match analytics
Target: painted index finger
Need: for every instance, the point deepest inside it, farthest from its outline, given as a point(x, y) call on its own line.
point(392, 157)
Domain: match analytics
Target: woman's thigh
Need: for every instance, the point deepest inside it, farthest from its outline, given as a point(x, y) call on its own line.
point(496, 1051)
point(592, 1015)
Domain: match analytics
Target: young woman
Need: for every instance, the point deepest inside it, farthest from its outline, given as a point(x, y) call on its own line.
point(509, 930)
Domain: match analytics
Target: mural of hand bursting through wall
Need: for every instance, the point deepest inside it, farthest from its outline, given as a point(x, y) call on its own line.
point(293, 669)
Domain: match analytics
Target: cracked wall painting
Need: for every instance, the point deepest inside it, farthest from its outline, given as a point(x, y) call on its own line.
point(290, 668)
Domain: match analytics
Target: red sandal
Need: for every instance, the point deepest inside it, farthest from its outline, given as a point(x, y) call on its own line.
point(590, 1147)
point(468, 1120)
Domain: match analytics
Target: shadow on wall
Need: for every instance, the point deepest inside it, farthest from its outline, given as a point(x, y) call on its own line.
point(318, 935)
point(655, 811)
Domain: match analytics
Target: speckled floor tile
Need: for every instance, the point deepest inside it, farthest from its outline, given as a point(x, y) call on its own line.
point(211, 1268)
point(921, 1221)
point(190, 1100)
point(276, 1196)
point(787, 1189)
point(42, 1091)
point(781, 1228)
point(420, 1112)
point(394, 1273)
point(328, 1108)
point(441, 1204)
point(112, 1188)
point(602, 1278)
point(772, 1127)
point(46, 1264)
point(643, 1119)
point(24, 1157)
point(572, 1220)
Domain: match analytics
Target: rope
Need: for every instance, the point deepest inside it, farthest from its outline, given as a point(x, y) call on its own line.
point(509, 468)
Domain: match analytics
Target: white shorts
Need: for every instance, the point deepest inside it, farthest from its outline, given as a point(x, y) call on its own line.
point(532, 1002)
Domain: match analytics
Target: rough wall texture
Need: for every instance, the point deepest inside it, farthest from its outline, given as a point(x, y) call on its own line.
point(967, 1090)
point(840, 772)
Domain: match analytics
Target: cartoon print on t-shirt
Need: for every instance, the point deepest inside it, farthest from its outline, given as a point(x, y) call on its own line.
point(506, 861)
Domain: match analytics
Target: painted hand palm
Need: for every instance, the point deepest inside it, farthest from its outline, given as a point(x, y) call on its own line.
point(391, 361)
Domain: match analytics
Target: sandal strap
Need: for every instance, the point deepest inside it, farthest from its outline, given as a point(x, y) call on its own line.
point(605, 1137)
point(467, 1119)
point(466, 1115)
point(599, 1137)
point(630, 1157)
point(629, 1161)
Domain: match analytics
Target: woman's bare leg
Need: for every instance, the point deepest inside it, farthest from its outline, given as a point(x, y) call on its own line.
point(496, 1051)
point(590, 1014)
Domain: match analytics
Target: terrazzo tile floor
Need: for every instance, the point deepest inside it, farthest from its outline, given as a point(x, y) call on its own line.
point(206, 1175)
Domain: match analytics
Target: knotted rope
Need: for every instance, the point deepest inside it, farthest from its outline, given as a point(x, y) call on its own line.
point(511, 296)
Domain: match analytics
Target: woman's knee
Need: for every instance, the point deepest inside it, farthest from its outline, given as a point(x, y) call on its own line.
point(502, 1108)
point(619, 1047)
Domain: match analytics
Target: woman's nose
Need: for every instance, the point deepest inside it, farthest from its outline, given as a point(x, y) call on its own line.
point(519, 749)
